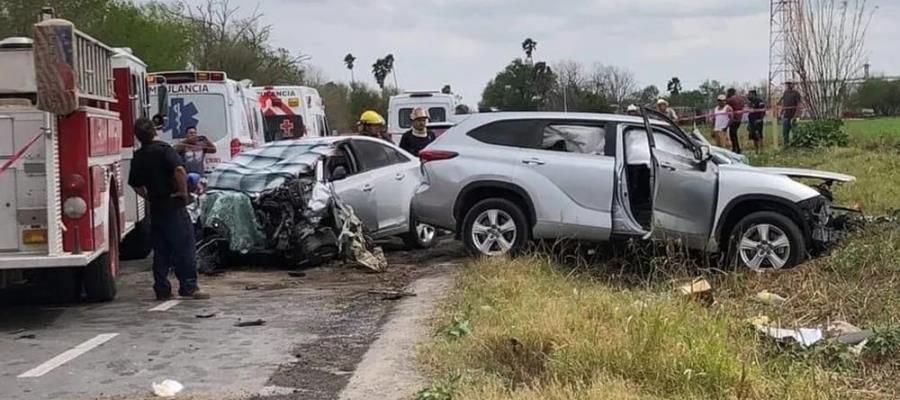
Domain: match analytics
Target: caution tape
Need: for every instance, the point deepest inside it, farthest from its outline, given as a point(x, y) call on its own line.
point(18, 154)
point(739, 112)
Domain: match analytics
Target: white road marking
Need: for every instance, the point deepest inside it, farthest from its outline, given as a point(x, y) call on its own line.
point(69, 355)
point(166, 305)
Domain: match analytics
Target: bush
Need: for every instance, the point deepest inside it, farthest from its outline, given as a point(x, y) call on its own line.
point(820, 133)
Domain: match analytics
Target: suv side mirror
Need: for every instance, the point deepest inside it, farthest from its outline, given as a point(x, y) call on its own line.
point(702, 153)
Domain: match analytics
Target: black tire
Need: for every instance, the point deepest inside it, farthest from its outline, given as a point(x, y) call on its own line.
point(420, 240)
point(137, 245)
point(777, 225)
point(100, 274)
point(512, 211)
point(63, 285)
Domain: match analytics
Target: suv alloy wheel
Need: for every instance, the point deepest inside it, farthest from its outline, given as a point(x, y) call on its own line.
point(495, 227)
point(766, 241)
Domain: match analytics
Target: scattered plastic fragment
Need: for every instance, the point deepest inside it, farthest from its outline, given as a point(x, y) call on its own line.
point(805, 336)
point(770, 298)
point(208, 315)
point(256, 322)
point(167, 388)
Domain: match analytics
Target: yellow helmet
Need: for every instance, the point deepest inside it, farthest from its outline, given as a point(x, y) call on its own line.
point(371, 118)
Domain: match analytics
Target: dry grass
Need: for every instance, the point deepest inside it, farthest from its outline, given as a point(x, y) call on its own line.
point(540, 331)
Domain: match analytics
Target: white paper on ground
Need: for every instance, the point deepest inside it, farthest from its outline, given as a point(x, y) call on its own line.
point(166, 388)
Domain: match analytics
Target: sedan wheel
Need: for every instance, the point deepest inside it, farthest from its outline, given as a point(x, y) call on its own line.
point(767, 241)
point(425, 233)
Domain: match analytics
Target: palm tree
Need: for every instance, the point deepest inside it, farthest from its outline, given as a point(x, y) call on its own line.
point(389, 67)
point(674, 86)
point(529, 46)
point(348, 61)
point(379, 70)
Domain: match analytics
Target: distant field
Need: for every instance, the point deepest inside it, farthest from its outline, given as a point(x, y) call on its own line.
point(887, 129)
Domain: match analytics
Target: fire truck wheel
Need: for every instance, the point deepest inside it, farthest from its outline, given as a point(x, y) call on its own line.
point(137, 244)
point(100, 274)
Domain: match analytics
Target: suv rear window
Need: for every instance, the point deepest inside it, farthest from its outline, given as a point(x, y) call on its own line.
point(514, 133)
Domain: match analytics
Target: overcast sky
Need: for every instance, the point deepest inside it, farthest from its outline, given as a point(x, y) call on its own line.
point(464, 43)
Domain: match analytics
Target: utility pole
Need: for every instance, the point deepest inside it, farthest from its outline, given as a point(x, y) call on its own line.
point(784, 24)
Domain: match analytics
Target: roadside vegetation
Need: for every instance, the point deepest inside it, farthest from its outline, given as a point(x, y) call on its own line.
point(611, 327)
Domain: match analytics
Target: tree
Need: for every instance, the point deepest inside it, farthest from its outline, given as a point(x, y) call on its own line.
point(380, 71)
point(674, 86)
point(710, 90)
point(517, 88)
point(159, 38)
point(880, 95)
point(348, 61)
point(528, 46)
point(389, 66)
point(646, 96)
point(828, 50)
point(614, 83)
point(239, 45)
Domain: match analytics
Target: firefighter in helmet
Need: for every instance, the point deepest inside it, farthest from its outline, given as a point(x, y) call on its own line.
point(372, 125)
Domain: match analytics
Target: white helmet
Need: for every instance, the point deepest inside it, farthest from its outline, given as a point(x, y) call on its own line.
point(632, 107)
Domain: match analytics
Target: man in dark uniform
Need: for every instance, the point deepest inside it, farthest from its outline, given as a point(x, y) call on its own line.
point(158, 175)
point(790, 104)
point(755, 119)
point(417, 138)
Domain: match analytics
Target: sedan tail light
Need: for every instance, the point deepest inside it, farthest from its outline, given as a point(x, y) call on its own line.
point(436, 155)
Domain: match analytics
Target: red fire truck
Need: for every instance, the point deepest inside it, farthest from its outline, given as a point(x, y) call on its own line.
point(67, 108)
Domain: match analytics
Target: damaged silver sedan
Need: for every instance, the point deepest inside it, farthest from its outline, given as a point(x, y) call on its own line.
point(309, 201)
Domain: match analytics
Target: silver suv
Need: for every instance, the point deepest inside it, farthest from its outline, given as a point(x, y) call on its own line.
point(502, 179)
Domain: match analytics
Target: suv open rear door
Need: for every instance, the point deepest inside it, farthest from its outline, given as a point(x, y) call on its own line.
point(636, 183)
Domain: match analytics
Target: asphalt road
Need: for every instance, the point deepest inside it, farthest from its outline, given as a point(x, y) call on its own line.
point(317, 329)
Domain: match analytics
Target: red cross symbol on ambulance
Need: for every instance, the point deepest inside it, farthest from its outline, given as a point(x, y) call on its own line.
point(287, 127)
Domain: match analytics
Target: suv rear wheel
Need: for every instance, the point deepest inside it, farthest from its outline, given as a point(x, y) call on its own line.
point(495, 227)
point(766, 241)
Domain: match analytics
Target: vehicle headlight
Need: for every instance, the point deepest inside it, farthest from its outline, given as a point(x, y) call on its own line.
point(75, 207)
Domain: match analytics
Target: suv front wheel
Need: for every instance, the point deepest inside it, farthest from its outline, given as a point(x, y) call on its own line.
point(766, 241)
point(495, 227)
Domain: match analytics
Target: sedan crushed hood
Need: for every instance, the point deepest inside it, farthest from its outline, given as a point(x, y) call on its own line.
point(808, 173)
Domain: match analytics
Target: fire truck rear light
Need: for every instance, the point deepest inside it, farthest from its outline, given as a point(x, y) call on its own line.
point(75, 207)
point(235, 147)
point(73, 183)
point(34, 236)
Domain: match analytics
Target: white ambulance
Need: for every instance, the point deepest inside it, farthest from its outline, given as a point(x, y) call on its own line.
point(292, 112)
point(441, 110)
point(223, 110)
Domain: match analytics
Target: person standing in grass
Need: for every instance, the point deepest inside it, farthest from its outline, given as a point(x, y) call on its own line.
point(789, 103)
point(736, 102)
point(722, 116)
point(755, 118)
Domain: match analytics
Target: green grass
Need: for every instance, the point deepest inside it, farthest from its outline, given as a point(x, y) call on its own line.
point(540, 332)
point(611, 328)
